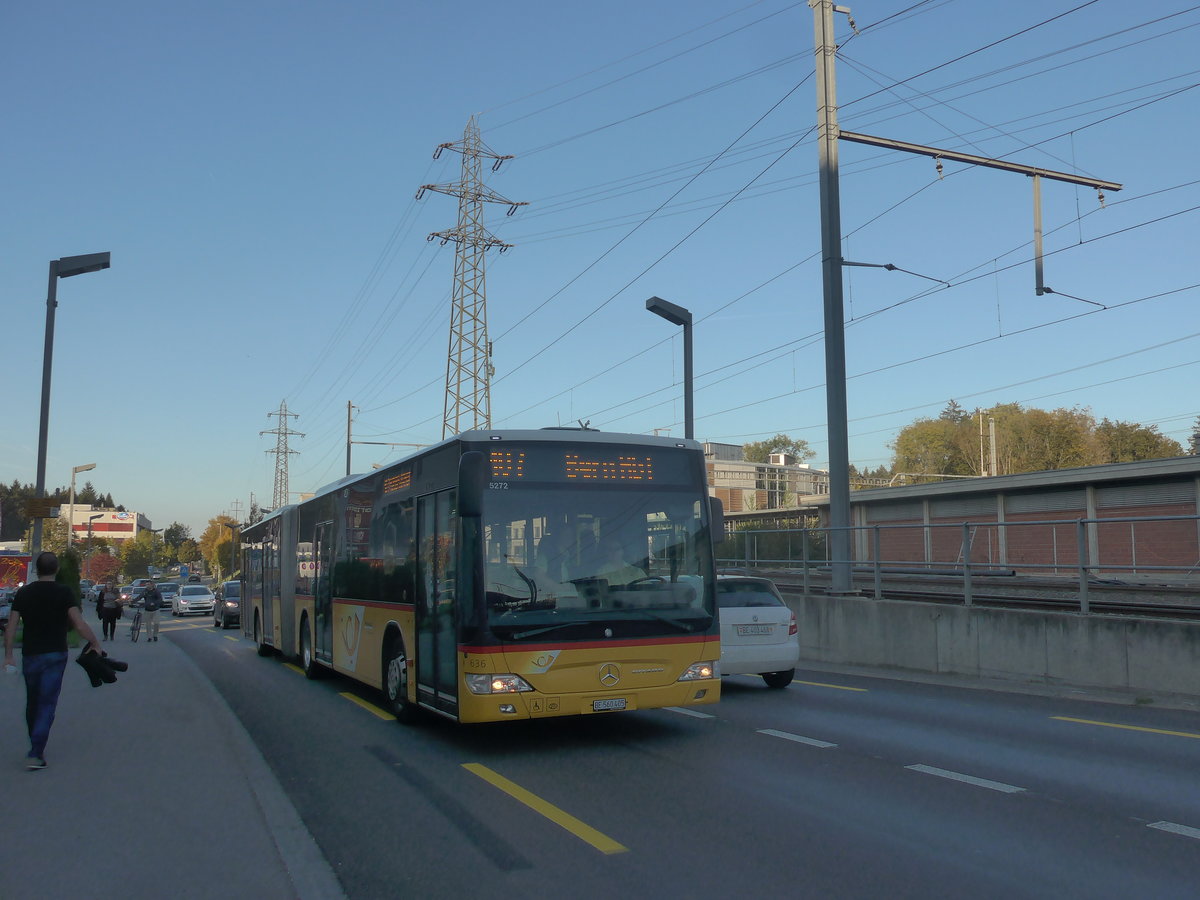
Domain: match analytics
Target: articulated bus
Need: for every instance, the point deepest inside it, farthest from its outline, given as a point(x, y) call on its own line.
point(501, 575)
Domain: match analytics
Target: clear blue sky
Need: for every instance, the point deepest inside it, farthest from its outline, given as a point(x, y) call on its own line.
point(252, 167)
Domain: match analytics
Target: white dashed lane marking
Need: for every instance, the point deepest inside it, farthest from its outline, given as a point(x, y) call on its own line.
point(799, 739)
point(968, 779)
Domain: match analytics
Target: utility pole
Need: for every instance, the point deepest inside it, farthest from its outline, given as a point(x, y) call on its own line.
point(835, 346)
point(236, 505)
point(281, 451)
point(469, 369)
point(349, 407)
point(831, 272)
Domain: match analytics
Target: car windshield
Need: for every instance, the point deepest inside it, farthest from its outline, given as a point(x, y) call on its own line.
point(565, 558)
point(232, 590)
point(169, 588)
point(193, 591)
point(745, 593)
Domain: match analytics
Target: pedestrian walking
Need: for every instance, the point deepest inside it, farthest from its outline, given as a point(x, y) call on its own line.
point(48, 612)
point(152, 601)
point(108, 604)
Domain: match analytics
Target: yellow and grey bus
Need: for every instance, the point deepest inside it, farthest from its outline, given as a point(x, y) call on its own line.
point(501, 575)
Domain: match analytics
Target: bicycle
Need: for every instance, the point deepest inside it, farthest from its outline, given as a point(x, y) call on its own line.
point(135, 627)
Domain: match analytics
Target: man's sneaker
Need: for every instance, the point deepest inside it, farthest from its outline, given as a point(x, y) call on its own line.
point(34, 763)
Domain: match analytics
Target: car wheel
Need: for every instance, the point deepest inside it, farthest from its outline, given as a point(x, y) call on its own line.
point(779, 679)
point(395, 682)
point(307, 661)
point(263, 649)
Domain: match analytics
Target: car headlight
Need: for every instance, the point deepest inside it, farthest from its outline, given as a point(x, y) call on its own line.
point(699, 671)
point(497, 684)
point(232, 604)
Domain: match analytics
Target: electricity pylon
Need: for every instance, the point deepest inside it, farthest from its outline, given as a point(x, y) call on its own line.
point(281, 451)
point(469, 369)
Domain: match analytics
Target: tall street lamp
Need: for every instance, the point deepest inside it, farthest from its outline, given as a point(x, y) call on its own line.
point(59, 268)
point(86, 467)
point(677, 315)
point(91, 519)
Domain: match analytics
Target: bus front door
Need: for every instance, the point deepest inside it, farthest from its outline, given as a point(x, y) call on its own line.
point(437, 662)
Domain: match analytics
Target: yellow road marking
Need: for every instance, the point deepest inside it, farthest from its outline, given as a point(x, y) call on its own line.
point(230, 637)
point(1186, 734)
point(369, 707)
point(836, 687)
point(294, 668)
point(559, 817)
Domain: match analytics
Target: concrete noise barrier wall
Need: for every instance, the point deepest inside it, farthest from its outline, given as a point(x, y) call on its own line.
point(1117, 652)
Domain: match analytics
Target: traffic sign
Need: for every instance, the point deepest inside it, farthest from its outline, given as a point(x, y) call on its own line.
point(41, 508)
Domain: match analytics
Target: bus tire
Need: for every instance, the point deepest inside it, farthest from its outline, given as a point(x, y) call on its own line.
point(308, 662)
point(395, 682)
point(263, 649)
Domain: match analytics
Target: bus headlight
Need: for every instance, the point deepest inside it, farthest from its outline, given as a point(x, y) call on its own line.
point(699, 671)
point(497, 684)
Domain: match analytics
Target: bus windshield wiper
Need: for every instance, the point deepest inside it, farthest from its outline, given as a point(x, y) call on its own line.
point(666, 620)
point(521, 635)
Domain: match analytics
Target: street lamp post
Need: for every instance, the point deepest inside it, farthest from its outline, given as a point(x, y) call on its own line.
point(91, 519)
point(677, 315)
point(86, 467)
point(59, 268)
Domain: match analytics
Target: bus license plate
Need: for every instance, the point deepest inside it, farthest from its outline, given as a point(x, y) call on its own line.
point(754, 629)
point(605, 705)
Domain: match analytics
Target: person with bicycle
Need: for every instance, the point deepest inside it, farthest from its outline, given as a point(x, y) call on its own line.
point(152, 601)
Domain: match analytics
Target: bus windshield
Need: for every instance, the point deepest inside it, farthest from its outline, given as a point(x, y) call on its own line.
point(560, 557)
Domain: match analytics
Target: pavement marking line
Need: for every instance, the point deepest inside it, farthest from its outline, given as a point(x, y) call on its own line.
point(1185, 830)
point(968, 779)
point(294, 668)
point(799, 739)
point(689, 712)
point(369, 707)
point(230, 637)
point(584, 832)
point(836, 687)
point(1186, 734)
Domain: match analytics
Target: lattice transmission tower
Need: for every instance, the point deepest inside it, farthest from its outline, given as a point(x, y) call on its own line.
point(469, 369)
point(281, 451)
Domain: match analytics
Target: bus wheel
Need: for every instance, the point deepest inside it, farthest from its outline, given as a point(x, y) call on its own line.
point(307, 662)
point(263, 649)
point(395, 682)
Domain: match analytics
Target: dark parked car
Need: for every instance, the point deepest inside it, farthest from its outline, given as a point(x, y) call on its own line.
point(228, 610)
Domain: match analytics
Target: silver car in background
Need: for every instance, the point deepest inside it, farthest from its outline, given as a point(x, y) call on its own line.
point(193, 600)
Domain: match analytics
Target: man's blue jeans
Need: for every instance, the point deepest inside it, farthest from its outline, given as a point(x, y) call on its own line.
point(43, 683)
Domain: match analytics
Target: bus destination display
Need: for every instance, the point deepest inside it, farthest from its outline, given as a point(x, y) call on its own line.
point(591, 465)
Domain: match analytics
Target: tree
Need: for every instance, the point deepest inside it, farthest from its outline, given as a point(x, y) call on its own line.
point(760, 451)
point(1194, 440)
point(102, 566)
point(176, 533)
point(954, 413)
point(68, 573)
point(139, 553)
point(187, 551)
point(1130, 442)
point(215, 543)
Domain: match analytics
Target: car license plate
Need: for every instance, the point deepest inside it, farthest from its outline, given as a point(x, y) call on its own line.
point(605, 705)
point(754, 629)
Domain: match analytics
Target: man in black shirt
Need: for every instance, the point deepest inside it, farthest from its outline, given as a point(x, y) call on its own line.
point(49, 612)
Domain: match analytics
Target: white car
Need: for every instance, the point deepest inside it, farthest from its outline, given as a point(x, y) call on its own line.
point(193, 599)
point(758, 630)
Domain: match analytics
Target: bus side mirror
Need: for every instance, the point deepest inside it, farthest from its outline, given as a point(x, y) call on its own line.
point(472, 476)
point(716, 519)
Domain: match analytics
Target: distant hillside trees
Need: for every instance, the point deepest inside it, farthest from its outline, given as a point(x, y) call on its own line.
point(1027, 440)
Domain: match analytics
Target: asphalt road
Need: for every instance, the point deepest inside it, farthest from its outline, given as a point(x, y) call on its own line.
point(838, 786)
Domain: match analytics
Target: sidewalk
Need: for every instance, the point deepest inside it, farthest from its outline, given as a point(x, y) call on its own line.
point(153, 789)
